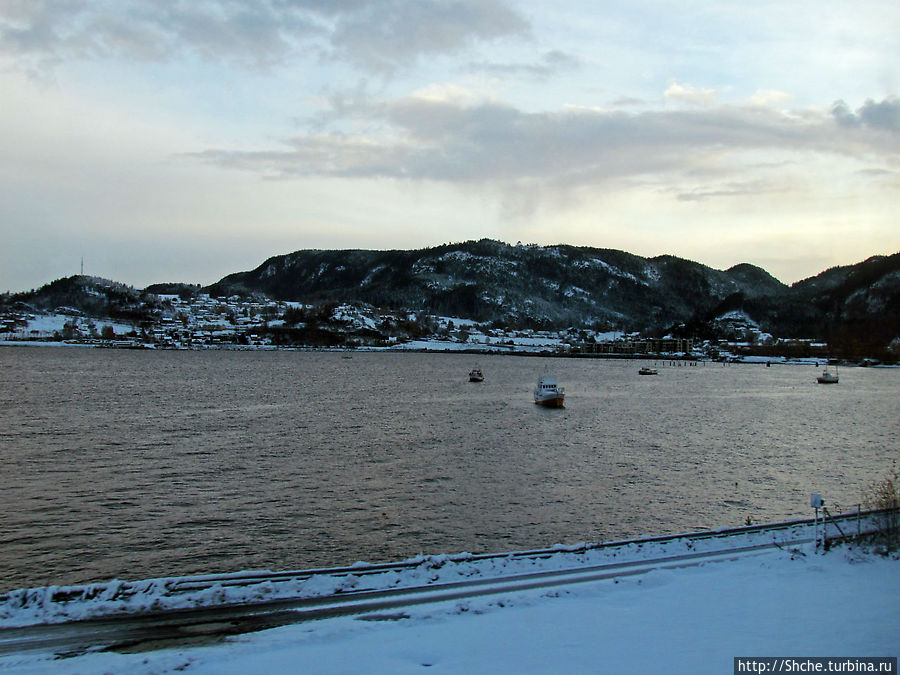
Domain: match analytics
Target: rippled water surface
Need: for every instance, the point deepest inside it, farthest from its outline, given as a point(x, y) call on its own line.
point(137, 464)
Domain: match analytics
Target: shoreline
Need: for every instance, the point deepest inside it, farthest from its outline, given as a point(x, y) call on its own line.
point(439, 348)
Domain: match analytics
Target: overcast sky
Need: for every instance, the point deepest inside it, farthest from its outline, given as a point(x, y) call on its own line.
point(184, 140)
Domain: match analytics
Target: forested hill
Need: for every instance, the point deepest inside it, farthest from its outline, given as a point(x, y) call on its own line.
point(561, 285)
point(492, 281)
point(539, 287)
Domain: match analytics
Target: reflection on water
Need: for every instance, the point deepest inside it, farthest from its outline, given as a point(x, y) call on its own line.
point(135, 464)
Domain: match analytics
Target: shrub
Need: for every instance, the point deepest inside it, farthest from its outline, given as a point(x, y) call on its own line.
point(884, 495)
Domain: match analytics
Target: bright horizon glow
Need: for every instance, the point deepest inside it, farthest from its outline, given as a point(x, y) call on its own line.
point(188, 142)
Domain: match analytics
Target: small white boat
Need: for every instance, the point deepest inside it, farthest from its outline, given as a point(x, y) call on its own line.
point(648, 371)
point(827, 377)
point(475, 375)
point(549, 393)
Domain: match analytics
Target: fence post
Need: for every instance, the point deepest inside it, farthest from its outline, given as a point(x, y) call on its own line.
point(834, 522)
point(816, 502)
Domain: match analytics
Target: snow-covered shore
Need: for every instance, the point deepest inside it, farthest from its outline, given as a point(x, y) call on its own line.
point(692, 619)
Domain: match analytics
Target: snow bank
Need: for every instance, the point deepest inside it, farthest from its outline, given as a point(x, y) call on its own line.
point(57, 604)
point(689, 620)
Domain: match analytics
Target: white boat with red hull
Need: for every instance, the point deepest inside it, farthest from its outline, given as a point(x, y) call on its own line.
point(548, 393)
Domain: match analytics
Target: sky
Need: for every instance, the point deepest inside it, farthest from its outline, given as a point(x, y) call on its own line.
point(188, 139)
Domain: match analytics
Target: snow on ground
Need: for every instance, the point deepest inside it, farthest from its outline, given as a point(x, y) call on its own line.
point(45, 325)
point(690, 620)
point(31, 343)
point(29, 606)
point(481, 344)
point(686, 620)
point(739, 316)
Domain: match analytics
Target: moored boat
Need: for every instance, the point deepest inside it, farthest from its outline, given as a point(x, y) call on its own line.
point(827, 377)
point(548, 393)
point(648, 371)
point(475, 375)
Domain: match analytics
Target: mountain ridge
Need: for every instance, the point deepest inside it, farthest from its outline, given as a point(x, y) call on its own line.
point(531, 286)
point(488, 280)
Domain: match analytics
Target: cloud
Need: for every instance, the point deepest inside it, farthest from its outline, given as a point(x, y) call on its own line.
point(392, 34)
point(628, 101)
point(44, 33)
point(770, 98)
point(876, 172)
point(732, 189)
point(550, 64)
point(685, 93)
point(452, 140)
point(884, 115)
point(376, 35)
point(327, 155)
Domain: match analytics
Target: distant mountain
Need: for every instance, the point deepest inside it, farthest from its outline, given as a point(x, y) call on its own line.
point(527, 286)
point(91, 296)
point(855, 303)
point(755, 280)
point(855, 292)
point(856, 308)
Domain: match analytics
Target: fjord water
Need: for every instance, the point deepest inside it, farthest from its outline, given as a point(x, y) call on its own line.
point(138, 464)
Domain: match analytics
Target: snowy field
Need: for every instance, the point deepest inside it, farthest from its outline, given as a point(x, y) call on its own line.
point(44, 326)
point(686, 620)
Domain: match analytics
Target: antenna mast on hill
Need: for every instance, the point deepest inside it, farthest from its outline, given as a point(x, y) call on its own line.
point(82, 265)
